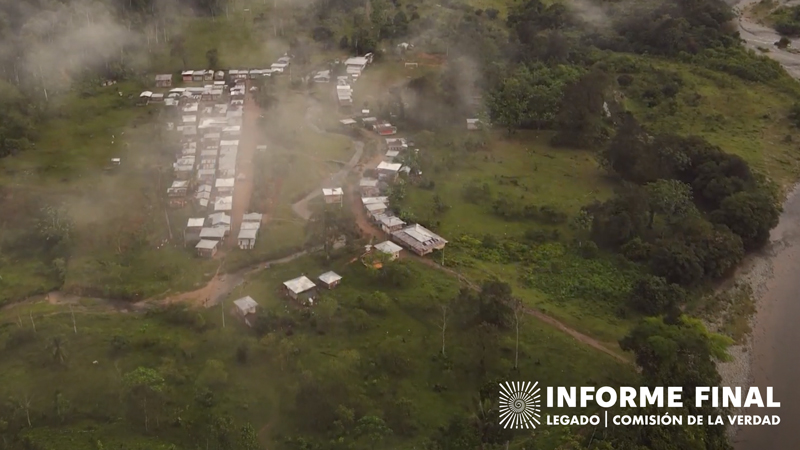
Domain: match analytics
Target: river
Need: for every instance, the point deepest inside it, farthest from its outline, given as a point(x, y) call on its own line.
point(767, 360)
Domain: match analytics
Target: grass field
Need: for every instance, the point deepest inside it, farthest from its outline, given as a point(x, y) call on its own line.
point(342, 341)
point(747, 119)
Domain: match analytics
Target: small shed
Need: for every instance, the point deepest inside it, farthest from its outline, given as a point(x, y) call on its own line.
point(164, 80)
point(390, 224)
point(368, 187)
point(198, 75)
point(333, 195)
point(300, 288)
point(398, 144)
point(330, 279)
point(219, 76)
point(207, 248)
point(193, 228)
point(388, 170)
point(212, 233)
point(186, 75)
point(391, 155)
point(376, 208)
point(246, 308)
point(223, 204)
point(473, 124)
point(247, 239)
point(350, 123)
point(389, 248)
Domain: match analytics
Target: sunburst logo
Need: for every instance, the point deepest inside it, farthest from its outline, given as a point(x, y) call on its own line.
point(519, 404)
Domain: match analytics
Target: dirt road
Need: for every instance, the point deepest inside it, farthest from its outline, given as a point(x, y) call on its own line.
point(243, 189)
point(369, 229)
point(336, 180)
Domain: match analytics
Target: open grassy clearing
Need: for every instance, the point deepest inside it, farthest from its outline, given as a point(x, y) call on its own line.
point(526, 170)
point(401, 323)
point(747, 119)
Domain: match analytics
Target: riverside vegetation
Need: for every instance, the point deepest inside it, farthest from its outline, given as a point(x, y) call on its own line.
point(688, 181)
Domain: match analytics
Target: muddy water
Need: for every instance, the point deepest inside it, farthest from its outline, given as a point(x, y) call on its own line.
point(775, 351)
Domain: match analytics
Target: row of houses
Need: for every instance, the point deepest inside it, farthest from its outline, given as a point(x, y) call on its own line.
point(353, 69)
point(209, 234)
point(413, 237)
point(165, 80)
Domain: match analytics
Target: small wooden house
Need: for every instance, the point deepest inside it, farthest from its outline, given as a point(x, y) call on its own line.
point(333, 195)
point(389, 248)
point(247, 238)
point(301, 288)
point(164, 80)
point(330, 279)
point(246, 308)
point(207, 248)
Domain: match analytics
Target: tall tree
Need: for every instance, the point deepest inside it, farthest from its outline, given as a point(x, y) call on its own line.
point(144, 385)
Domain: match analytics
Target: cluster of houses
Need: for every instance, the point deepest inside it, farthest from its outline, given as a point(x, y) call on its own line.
point(353, 69)
point(381, 127)
point(300, 289)
point(207, 234)
point(208, 120)
point(413, 237)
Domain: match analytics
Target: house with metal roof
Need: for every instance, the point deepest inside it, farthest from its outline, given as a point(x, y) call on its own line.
point(419, 239)
point(300, 288)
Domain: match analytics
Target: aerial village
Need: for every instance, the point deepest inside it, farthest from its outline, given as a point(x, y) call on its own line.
point(206, 115)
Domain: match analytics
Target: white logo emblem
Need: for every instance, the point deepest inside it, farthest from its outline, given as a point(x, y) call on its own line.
point(519, 405)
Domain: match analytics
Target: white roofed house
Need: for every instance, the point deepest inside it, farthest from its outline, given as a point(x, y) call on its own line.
point(333, 195)
point(247, 238)
point(193, 228)
point(370, 200)
point(330, 279)
point(376, 208)
point(473, 124)
point(391, 155)
point(177, 193)
point(208, 75)
point(186, 75)
point(207, 248)
point(212, 233)
point(355, 65)
point(369, 187)
point(398, 144)
point(388, 170)
point(225, 186)
point(219, 218)
point(252, 217)
point(389, 248)
point(219, 76)
point(246, 308)
point(223, 203)
point(301, 288)
point(390, 224)
point(419, 239)
point(164, 80)
point(198, 75)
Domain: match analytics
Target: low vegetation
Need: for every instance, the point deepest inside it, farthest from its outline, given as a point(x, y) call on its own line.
point(624, 165)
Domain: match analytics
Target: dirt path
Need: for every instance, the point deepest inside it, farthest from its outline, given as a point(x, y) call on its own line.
point(336, 180)
point(244, 166)
point(369, 229)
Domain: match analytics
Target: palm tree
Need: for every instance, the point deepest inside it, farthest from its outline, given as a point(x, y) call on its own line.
point(56, 348)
